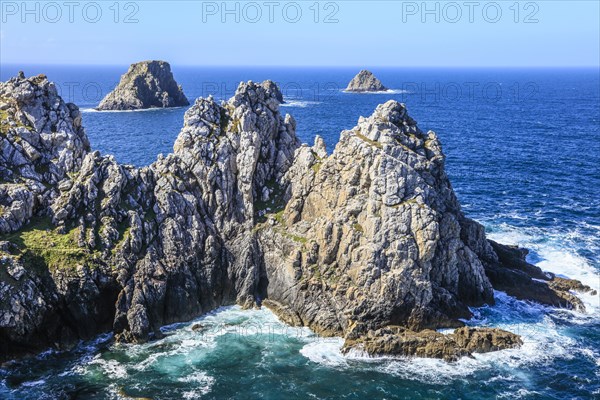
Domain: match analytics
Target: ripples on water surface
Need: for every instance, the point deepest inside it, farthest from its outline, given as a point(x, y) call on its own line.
point(524, 163)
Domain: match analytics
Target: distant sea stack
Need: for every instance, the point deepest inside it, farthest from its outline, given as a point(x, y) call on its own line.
point(147, 84)
point(365, 81)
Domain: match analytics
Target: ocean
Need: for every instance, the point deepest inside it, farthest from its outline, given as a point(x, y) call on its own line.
point(523, 155)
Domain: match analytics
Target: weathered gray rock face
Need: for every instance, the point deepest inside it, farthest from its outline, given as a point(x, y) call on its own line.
point(166, 243)
point(187, 248)
point(147, 84)
point(348, 244)
point(365, 81)
point(273, 90)
point(41, 144)
point(371, 235)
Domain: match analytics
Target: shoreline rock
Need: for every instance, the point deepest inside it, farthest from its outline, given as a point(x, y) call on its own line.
point(463, 342)
point(365, 81)
point(515, 276)
point(367, 238)
point(147, 84)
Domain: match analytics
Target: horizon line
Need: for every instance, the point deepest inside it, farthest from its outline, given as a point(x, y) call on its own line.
point(13, 64)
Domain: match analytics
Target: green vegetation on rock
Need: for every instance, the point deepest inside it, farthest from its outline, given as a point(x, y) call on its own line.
point(4, 127)
point(366, 139)
point(316, 167)
point(295, 238)
point(358, 227)
point(39, 245)
point(273, 206)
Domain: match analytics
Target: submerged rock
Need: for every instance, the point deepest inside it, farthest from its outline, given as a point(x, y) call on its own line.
point(147, 84)
point(365, 81)
point(349, 244)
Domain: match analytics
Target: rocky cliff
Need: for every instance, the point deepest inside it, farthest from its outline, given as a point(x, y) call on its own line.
point(354, 243)
point(365, 81)
point(147, 84)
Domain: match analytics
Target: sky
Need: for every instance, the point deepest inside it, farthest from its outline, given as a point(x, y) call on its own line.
point(548, 33)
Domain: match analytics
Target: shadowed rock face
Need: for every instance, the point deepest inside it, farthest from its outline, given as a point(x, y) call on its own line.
point(365, 81)
point(348, 244)
point(147, 84)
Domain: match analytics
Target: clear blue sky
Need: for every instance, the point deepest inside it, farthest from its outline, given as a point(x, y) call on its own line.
point(369, 33)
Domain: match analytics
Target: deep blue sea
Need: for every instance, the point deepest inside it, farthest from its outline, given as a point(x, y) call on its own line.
point(523, 155)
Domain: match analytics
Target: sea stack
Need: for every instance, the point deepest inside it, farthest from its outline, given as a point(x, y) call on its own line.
point(147, 84)
point(365, 81)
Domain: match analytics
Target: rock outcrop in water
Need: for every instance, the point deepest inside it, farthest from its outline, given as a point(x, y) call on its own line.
point(395, 340)
point(147, 84)
point(365, 81)
point(353, 244)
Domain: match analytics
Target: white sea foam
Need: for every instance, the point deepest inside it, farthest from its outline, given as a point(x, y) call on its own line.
point(389, 91)
point(88, 347)
point(33, 383)
point(183, 342)
point(543, 342)
point(191, 394)
point(556, 253)
point(518, 394)
point(94, 110)
point(299, 103)
point(111, 368)
point(201, 381)
point(197, 377)
point(326, 352)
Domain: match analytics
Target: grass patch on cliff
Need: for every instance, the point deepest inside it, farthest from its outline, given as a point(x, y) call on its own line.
point(5, 122)
point(414, 200)
point(274, 205)
point(366, 139)
point(39, 245)
point(358, 227)
point(324, 274)
point(123, 228)
point(295, 238)
point(315, 270)
point(317, 165)
point(4, 127)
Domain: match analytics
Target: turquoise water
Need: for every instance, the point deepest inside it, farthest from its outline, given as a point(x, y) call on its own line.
point(524, 163)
